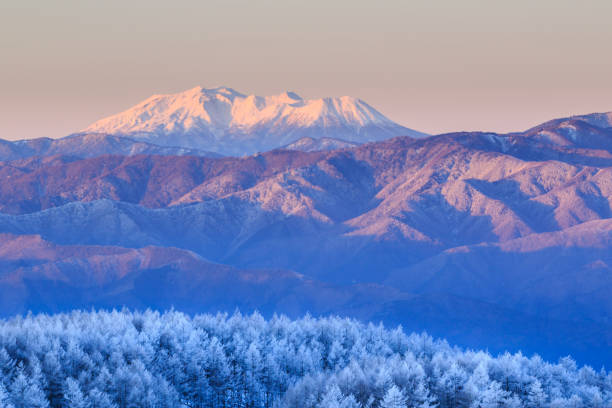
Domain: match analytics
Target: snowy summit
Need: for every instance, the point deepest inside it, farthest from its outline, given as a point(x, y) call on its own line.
point(226, 121)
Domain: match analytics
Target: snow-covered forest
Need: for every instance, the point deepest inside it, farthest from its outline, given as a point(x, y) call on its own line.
point(129, 359)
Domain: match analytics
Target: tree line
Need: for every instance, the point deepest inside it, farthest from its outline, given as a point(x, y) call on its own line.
point(149, 359)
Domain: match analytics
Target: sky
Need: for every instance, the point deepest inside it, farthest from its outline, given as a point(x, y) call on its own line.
point(431, 65)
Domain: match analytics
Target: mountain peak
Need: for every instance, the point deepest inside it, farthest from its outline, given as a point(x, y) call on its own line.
point(200, 92)
point(602, 120)
point(287, 97)
point(225, 90)
point(226, 121)
point(292, 95)
point(218, 89)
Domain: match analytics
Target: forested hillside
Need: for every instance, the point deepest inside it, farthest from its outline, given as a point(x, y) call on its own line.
point(129, 359)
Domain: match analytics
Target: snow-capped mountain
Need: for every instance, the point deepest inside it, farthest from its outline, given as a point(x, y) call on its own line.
point(225, 121)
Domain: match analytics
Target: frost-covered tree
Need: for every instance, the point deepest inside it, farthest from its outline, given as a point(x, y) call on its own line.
point(536, 397)
point(73, 395)
point(394, 398)
point(332, 398)
point(491, 397)
point(422, 398)
point(5, 401)
point(99, 399)
point(27, 393)
point(150, 359)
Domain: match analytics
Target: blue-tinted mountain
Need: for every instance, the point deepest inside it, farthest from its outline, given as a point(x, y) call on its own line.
point(499, 240)
point(87, 145)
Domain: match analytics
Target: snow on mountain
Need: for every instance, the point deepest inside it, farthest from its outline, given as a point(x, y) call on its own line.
point(602, 120)
point(228, 122)
point(309, 144)
point(593, 131)
point(319, 209)
point(482, 232)
point(87, 145)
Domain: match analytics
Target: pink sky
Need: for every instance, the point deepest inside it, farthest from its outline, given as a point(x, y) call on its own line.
point(435, 66)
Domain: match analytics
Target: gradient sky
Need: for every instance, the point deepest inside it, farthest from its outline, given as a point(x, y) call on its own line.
point(432, 65)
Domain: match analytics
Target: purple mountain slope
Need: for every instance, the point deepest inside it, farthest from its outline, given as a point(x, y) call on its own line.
point(503, 236)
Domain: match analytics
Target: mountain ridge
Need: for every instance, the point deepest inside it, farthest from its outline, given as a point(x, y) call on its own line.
point(88, 145)
point(309, 144)
point(491, 237)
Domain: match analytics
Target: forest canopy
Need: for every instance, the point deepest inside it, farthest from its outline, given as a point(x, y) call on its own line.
point(151, 359)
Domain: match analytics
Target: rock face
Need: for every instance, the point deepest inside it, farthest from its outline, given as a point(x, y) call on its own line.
point(498, 241)
point(225, 121)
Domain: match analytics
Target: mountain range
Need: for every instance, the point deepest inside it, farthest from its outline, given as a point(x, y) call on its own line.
point(499, 241)
point(85, 145)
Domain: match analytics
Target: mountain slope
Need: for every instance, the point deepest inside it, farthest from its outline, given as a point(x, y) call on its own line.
point(225, 121)
point(38, 275)
point(309, 144)
point(602, 120)
point(561, 274)
point(399, 189)
point(335, 215)
point(587, 131)
point(87, 145)
point(494, 238)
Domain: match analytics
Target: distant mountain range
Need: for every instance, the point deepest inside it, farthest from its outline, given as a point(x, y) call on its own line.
point(225, 121)
point(85, 145)
point(490, 240)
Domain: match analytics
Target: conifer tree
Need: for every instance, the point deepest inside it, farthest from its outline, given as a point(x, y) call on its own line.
point(73, 396)
point(5, 401)
point(394, 398)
